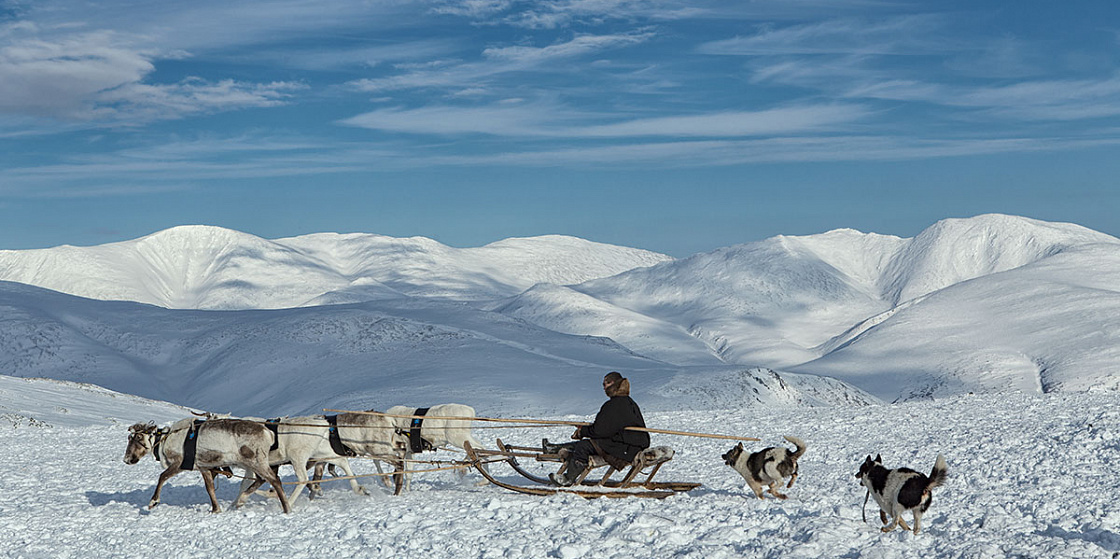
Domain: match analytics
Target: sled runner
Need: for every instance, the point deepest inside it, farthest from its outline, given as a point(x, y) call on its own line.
point(651, 458)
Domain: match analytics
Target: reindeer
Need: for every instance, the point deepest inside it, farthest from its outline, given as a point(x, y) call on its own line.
point(435, 430)
point(221, 443)
point(306, 441)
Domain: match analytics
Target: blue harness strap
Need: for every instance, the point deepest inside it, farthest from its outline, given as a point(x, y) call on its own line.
point(415, 442)
point(190, 445)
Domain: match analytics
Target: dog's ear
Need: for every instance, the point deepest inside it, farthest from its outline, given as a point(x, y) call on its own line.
point(739, 446)
point(878, 459)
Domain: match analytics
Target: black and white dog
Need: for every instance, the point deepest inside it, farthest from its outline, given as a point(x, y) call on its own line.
point(767, 467)
point(901, 489)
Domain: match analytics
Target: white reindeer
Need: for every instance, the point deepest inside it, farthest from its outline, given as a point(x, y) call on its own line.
point(221, 443)
point(303, 442)
point(435, 429)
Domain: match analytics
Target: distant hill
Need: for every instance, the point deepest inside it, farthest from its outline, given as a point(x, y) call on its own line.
point(201, 267)
point(359, 356)
point(985, 304)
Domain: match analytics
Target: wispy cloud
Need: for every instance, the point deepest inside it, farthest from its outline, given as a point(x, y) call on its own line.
point(497, 61)
point(547, 120)
point(774, 150)
point(100, 76)
point(554, 14)
point(1057, 100)
point(904, 35)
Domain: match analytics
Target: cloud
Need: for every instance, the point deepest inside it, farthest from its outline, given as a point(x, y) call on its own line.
point(100, 76)
point(59, 78)
point(903, 35)
point(1037, 100)
point(498, 61)
point(771, 150)
point(545, 120)
point(555, 14)
point(137, 102)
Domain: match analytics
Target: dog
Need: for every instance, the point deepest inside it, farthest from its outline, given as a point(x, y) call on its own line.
point(767, 467)
point(901, 489)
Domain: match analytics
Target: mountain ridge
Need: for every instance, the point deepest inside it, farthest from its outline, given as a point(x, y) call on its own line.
point(898, 318)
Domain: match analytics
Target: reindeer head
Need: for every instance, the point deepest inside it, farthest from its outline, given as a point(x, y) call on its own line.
point(141, 439)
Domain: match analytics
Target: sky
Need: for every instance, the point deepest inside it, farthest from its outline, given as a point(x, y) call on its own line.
point(678, 126)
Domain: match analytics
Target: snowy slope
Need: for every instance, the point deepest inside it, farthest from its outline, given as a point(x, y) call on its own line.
point(989, 303)
point(199, 267)
point(47, 403)
point(369, 355)
point(1041, 327)
point(1030, 476)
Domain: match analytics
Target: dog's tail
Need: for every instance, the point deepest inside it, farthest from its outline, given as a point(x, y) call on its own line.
point(939, 473)
point(800, 444)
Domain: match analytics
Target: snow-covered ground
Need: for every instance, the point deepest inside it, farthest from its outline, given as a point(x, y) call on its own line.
point(1030, 476)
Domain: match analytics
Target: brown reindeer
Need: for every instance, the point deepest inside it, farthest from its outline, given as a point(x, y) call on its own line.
point(221, 443)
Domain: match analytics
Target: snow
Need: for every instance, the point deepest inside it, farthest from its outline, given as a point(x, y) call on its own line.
point(1030, 476)
point(202, 267)
point(993, 340)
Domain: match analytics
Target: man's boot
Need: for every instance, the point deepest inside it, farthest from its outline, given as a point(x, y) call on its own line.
point(551, 448)
point(570, 474)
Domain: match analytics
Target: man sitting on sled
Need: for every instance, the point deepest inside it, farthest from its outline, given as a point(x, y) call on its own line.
point(606, 437)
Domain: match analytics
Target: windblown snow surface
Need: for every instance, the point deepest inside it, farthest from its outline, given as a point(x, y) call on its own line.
point(1030, 476)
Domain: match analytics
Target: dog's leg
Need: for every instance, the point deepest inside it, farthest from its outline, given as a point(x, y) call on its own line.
point(754, 485)
point(883, 516)
point(774, 491)
point(792, 479)
point(902, 522)
point(917, 521)
point(891, 526)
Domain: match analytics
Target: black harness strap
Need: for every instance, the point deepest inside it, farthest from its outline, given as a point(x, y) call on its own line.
point(160, 435)
point(415, 442)
point(274, 426)
point(336, 441)
point(190, 445)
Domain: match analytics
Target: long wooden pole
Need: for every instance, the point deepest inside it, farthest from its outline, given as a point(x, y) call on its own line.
point(556, 422)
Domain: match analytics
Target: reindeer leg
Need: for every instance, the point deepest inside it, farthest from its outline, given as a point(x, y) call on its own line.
point(248, 486)
point(163, 477)
point(208, 481)
point(301, 475)
point(398, 478)
point(354, 485)
point(316, 490)
point(273, 479)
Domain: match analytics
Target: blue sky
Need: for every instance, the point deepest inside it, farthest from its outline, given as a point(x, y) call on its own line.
point(675, 126)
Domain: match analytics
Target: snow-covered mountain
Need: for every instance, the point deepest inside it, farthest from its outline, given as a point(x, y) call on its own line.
point(983, 304)
point(990, 303)
point(200, 267)
point(358, 356)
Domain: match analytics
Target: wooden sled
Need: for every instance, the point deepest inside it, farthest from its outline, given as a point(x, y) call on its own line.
point(652, 458)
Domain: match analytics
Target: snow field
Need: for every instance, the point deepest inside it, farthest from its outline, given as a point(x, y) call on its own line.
point(1030, 476)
